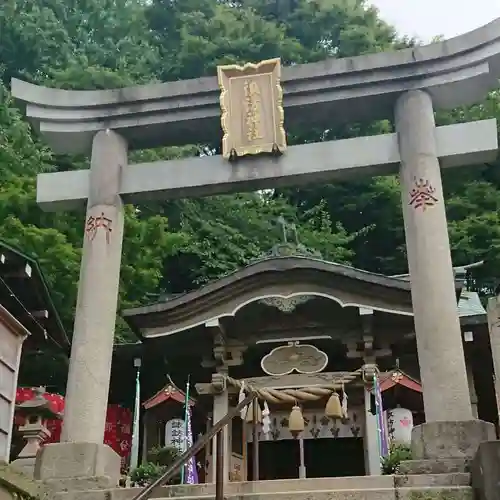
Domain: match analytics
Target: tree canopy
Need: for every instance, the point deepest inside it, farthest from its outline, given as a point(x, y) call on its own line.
point(176, 246)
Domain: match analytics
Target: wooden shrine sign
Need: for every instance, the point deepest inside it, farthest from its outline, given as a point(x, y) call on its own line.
point(251, 102)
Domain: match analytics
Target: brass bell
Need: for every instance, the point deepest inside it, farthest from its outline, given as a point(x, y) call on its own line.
point(333, 408)
point(296, 421)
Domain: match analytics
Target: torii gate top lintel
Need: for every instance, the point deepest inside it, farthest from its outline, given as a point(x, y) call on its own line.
point(455, 72)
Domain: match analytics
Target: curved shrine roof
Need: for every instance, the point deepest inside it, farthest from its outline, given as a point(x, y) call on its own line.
point(24, 292)
point(169, 393)
point(284, 277)
point(398, 377)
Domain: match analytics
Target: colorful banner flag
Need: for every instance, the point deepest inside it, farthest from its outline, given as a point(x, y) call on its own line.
point(381, 427)
point(189, 473)
point(191, 470)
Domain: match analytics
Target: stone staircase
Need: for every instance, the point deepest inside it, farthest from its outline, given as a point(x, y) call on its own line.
point(452, 486)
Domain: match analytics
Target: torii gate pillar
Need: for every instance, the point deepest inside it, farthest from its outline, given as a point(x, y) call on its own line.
point(450, 430)
point(429, 260)
point(93, 335)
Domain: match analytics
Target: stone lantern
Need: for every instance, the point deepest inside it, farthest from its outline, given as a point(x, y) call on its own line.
point(37, 411)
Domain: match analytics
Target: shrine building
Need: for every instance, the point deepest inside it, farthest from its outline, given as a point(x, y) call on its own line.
point(31, 332)
point(291, 323)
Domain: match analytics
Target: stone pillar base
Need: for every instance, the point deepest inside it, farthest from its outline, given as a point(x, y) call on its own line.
point(444, 447)
point(77, 466)
point(485, 471)
point(24, 465)
point(434, 466)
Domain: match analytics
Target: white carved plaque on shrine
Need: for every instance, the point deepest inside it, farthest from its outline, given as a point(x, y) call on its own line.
point(12, 336)
point(294, 357)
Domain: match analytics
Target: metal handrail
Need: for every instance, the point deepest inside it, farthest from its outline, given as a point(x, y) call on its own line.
point(191, 452)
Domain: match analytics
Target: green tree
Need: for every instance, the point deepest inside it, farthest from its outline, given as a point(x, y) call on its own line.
point(54, 41)
point(330, 28)
point(56, 239)
point(198, 35)
point(224, 233)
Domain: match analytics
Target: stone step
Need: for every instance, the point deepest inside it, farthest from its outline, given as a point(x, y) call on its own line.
point(207, 491)
point(280, 485)
point(346, 494)
point(432, 480)
point(435, 493)
point(420, 493)
point(436, 466)
point(340, 488)
point(325, 483)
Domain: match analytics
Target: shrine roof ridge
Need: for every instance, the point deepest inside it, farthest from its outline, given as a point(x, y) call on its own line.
point(21, 298)
point(267, 265)
point(455, 72)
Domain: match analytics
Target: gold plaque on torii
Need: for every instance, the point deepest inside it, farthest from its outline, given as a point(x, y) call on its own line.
point(252, 109)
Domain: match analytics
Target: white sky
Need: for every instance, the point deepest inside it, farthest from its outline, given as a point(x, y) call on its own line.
point(428, 18)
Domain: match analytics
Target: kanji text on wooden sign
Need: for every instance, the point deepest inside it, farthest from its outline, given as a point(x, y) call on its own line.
point(252, 109)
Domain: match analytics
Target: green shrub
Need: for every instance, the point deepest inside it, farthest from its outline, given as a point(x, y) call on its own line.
point(397, 454)
point(159, 459)
point(146, 473)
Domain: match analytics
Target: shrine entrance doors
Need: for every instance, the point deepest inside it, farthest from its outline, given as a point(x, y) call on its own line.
point(334, 457)
point(322, 458)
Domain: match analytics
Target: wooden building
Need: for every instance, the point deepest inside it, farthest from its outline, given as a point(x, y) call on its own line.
point(298, 322)
point(24, 292)
point(26, 307)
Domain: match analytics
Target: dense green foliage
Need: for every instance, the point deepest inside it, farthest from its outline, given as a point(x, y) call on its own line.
point(176, 246)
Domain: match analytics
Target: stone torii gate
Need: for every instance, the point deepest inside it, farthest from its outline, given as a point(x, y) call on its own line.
point(406, 85)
